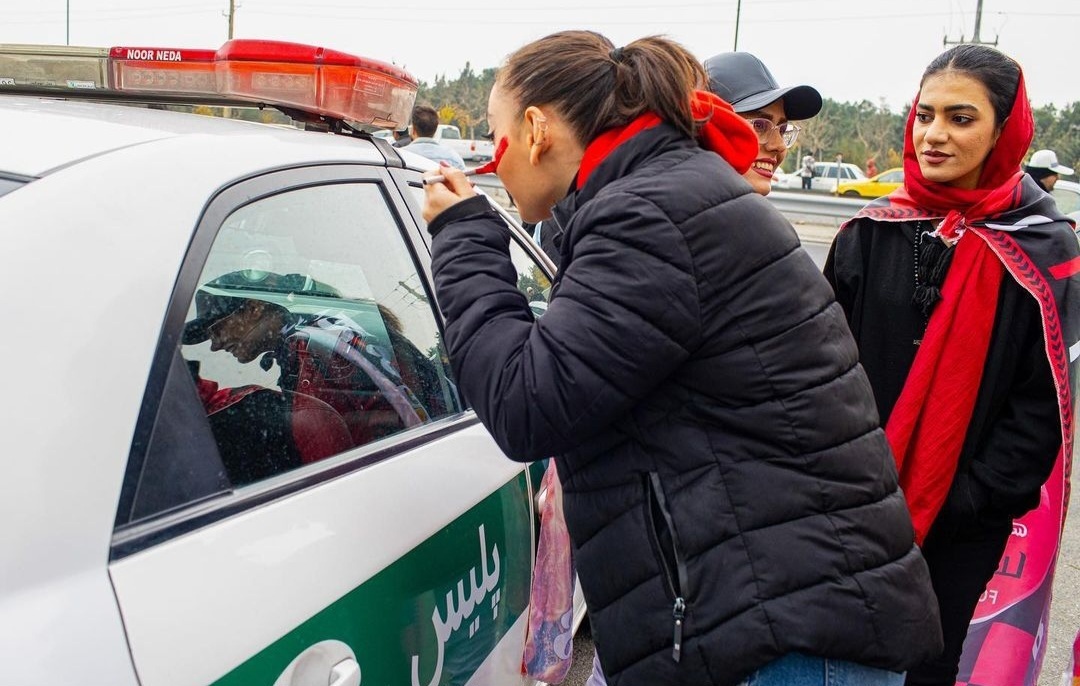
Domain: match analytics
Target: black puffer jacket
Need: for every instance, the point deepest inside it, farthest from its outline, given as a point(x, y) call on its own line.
point(716, 436)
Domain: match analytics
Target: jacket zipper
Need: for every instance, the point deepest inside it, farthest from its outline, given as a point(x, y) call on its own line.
point(677, 584)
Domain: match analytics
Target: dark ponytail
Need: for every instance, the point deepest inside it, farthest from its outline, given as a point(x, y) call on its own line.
point(596, 86)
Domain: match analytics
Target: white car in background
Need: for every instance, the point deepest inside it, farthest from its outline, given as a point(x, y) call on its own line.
point(826, 175)
point(1067, 196)
point(160, 526)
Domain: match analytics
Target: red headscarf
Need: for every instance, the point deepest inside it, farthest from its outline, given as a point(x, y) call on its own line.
point(929, 422)
point(722, 131)
point(1002, 166)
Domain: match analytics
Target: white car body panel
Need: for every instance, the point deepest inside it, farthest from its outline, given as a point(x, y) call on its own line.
point(187, 625)
point(98, 241)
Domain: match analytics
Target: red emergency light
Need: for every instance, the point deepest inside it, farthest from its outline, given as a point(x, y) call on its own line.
point(308, 79)
point(316, 80)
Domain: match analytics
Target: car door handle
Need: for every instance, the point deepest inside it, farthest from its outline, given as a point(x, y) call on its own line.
point(345, 673)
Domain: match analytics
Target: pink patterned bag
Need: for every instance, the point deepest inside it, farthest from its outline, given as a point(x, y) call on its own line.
point(549, 642)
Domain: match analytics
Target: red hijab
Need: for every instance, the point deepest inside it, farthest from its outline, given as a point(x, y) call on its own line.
point(929, 422)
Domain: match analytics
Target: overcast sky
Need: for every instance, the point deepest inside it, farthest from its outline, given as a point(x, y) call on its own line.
point(848, 49)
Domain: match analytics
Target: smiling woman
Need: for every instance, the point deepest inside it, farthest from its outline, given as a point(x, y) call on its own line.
point(744, 81)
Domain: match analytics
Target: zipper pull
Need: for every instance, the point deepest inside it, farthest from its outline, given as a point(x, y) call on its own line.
point(678, 613)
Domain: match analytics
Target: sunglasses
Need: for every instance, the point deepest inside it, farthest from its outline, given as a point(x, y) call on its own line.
point(789, 132)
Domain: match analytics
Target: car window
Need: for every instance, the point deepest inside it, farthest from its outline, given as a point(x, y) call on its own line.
point(531, 279)
point(451, 134)
point(892, 177)
point(1067, 200)
point(310, 333)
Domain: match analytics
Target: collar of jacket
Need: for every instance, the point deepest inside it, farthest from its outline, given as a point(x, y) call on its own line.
point(622, 161)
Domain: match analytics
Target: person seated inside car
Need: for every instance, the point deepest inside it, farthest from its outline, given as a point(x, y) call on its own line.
point(329, 358)
point(261, 431)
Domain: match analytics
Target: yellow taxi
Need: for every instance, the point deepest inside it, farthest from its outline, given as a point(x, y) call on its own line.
point(882, 184)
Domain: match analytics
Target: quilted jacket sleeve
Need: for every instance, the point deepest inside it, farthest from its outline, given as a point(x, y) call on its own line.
point(623, 316)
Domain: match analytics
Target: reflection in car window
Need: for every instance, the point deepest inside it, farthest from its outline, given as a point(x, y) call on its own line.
point(531, 279)
point(310, 333)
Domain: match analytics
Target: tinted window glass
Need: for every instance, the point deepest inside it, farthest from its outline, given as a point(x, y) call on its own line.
point(310, 333)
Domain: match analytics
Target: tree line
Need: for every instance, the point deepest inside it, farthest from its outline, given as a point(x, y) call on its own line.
point(857, 130)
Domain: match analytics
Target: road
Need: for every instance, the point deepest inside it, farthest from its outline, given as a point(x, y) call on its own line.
point(1065, 609)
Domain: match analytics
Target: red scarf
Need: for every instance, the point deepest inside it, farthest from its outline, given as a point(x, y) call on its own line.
point(722, 131)
point(929, 422)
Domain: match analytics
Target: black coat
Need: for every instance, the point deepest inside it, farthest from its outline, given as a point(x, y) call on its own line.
point(1015, 432)
point(715, 434)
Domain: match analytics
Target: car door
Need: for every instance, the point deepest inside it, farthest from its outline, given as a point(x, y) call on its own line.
point(289, 518)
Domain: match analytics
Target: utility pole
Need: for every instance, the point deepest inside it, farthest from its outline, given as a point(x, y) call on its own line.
point(738, 11)
point(67, 22)
point(232, 17)
point(975, 40)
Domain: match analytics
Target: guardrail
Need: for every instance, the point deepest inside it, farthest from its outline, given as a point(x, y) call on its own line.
point(795, 203)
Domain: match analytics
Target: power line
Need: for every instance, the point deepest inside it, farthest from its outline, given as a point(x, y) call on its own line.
point(975, 40)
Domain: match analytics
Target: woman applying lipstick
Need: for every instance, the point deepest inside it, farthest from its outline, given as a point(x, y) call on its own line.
point(956, 287)
point(747, 84)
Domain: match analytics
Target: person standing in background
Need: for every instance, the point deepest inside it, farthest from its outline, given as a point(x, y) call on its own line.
point(747, 84)
point(401, 138)
point(1044, 169)
point(807, 171)
point(425, 122)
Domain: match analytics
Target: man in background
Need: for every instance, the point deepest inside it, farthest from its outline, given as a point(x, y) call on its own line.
point(425, 122)
point(402, 138)
point(1044, 168)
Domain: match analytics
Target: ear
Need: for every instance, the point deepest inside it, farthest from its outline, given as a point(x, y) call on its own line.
point(536, 126)
point(998, 131)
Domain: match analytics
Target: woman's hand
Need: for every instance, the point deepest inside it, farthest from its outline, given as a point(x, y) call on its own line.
point(454, 188)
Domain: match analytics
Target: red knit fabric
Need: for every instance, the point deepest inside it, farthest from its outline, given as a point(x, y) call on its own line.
point(929, 422)
point(1001, 165)
point(722, 131)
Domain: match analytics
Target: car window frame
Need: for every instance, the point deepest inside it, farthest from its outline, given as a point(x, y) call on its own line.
point(408, 186)
point(129, 538)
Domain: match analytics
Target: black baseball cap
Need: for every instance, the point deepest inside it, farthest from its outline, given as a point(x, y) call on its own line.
point(225, 295)
point(747, 84)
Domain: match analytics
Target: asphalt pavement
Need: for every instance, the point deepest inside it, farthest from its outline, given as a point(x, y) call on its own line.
point(1065, 607)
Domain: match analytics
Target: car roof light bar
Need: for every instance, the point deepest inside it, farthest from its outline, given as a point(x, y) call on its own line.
point(305, 80)
point(333, 84)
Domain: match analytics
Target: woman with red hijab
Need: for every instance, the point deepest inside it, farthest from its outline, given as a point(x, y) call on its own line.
point(957, 288)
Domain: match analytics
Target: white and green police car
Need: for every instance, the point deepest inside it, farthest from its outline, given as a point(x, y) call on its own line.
point(172, 514)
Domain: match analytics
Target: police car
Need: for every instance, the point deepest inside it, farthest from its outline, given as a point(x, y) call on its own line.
point(235, 452)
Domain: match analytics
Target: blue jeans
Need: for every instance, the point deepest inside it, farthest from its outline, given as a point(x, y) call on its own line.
point(796, 669)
